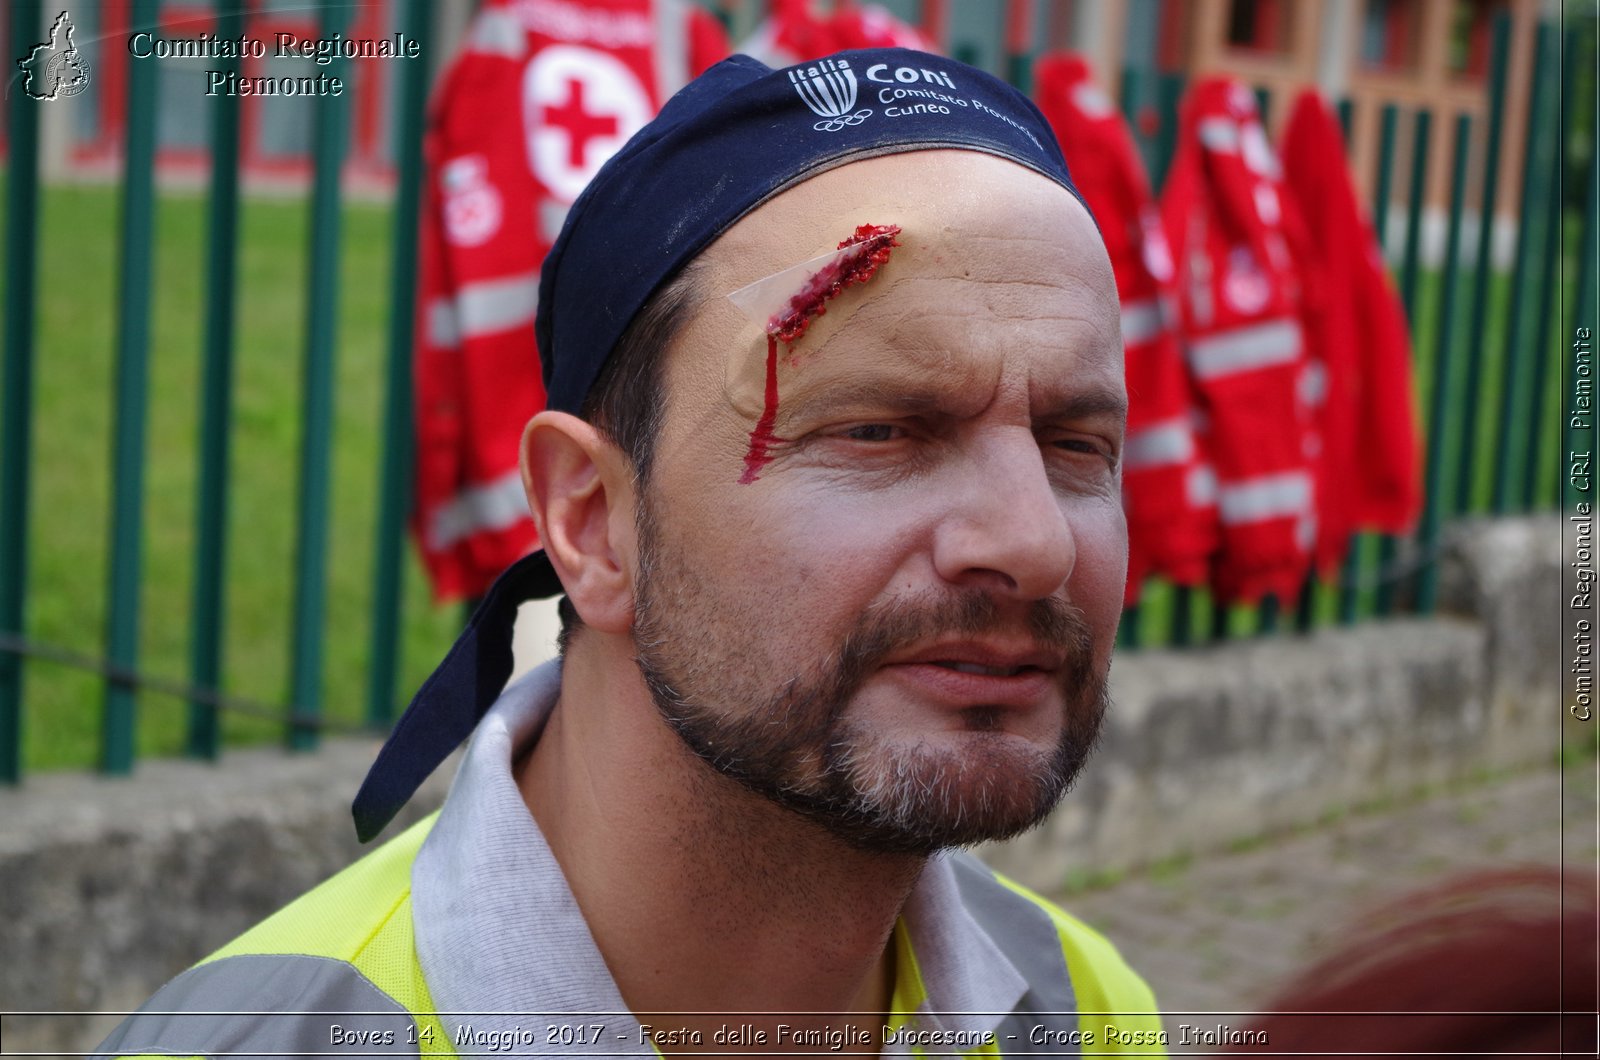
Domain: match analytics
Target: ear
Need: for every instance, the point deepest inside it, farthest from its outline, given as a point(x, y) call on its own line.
point(579, 488)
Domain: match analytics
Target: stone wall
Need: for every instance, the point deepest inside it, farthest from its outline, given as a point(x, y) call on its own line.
point(1207, 747)
point(109, 887)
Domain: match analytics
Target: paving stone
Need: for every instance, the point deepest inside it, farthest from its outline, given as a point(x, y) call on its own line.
point(1223, 932)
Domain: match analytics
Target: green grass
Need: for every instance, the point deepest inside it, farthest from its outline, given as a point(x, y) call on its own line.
point(69, 515)
point(1084, 880)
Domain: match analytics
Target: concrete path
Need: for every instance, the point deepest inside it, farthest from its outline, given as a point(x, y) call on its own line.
point(1220, 933)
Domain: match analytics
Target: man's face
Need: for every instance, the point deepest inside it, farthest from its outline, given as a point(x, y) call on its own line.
point(902, 628)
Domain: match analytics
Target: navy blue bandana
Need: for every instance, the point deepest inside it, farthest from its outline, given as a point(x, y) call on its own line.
point(733, 138)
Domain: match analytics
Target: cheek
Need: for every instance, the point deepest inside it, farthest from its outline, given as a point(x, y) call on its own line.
point(784, 557)
point(849, 544)
point(1100, 535)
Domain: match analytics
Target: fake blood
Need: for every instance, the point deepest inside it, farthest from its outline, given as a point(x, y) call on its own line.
point(869, 248)
point(761, 438)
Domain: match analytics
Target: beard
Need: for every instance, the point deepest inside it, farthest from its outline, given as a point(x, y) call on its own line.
point(792, 739)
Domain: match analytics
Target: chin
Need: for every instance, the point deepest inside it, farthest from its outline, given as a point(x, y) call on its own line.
point(907, 718)
point(955, 789)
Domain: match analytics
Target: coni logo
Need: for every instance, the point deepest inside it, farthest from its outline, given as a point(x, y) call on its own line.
point(829, 89)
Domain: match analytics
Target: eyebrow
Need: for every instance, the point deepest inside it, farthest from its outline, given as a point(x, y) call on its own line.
point(912, 398)
point(1087, 405)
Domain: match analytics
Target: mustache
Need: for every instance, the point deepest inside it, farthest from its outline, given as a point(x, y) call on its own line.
point(809, 705)
point(1053, 626)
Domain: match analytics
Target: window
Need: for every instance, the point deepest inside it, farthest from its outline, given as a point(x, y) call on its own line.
point(1389, 33)
point(285, 129)
point(1259, 25)
point(1471, 23)
point(183, 120)
point(183, 126)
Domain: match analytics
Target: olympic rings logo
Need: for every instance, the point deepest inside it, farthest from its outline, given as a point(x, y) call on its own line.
point(835, 124)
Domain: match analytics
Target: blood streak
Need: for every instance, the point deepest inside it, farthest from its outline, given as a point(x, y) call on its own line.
point(869, 248)
point(762, 437)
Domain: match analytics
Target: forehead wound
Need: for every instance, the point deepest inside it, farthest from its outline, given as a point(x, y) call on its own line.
point(784, 305)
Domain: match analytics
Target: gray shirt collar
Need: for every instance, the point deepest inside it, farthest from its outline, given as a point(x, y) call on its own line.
point(505, 948)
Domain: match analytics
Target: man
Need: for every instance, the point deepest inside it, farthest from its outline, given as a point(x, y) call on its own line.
point(843, 556)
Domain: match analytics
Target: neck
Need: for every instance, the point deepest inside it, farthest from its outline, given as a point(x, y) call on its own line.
point(702, 896)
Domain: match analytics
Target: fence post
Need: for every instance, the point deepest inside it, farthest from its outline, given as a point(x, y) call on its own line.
point(1183, 604)
point(1169, 99)
point(1514, 425)
point(16, 425)
point(130, 413)
point(1218, 630)
point(932, 20)
point(1416, 203)
point(1587, 250)
point(1408, 295)
point(394, 489)
point(1478, 333)
point(322, 297)
point(216, 389)
point(1019, 38)
point(1439, 406)
point(1545, 405)
point(1350, 589)
point(1584, 310)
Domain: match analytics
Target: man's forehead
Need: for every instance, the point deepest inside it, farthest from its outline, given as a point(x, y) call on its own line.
point(928, 191)
point(975, 301)
point(1000, 284)
point(946, 341)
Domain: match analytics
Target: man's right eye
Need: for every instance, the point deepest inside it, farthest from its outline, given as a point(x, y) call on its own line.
point(874, 432)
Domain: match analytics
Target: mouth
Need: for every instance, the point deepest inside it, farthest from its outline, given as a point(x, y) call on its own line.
point(987, 671)
point(959, 684)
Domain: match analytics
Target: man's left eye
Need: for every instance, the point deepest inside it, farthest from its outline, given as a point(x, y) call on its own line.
point(1081, 445)
point(874, 432)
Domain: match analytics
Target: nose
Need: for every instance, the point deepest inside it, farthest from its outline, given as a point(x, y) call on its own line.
point(1005, 529)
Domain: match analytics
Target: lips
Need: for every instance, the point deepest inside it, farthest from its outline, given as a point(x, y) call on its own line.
point(974, 673)
point(984, 657)
point(979, 668)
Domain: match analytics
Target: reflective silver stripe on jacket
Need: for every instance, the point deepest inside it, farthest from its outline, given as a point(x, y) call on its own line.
point(266, 1005)
point(1159, 445)
point(1027, 935)
point(1246, 349)
point(1142, 321)
point(493, 505)
point(1256, 500)
point(484, 308)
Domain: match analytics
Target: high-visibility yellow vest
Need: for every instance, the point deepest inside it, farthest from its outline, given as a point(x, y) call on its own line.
point(337, 971)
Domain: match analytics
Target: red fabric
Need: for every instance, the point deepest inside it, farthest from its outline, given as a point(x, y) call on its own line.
point(797, 31)
point(540, 95)
point(1368, 471)
point(1168, 534)
point(1239, 294)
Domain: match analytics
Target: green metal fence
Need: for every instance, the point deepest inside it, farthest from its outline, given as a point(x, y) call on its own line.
point(1486, 364)
point(119, 667)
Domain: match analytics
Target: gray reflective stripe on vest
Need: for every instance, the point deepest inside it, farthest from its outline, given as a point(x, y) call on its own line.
point(1028, 937)
point(296, 1004)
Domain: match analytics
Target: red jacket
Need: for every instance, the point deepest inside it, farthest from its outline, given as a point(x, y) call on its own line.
point(1367, 467)
point(1239, 294)
point(541, 94)
point(796, 31)
point(1171, 522)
